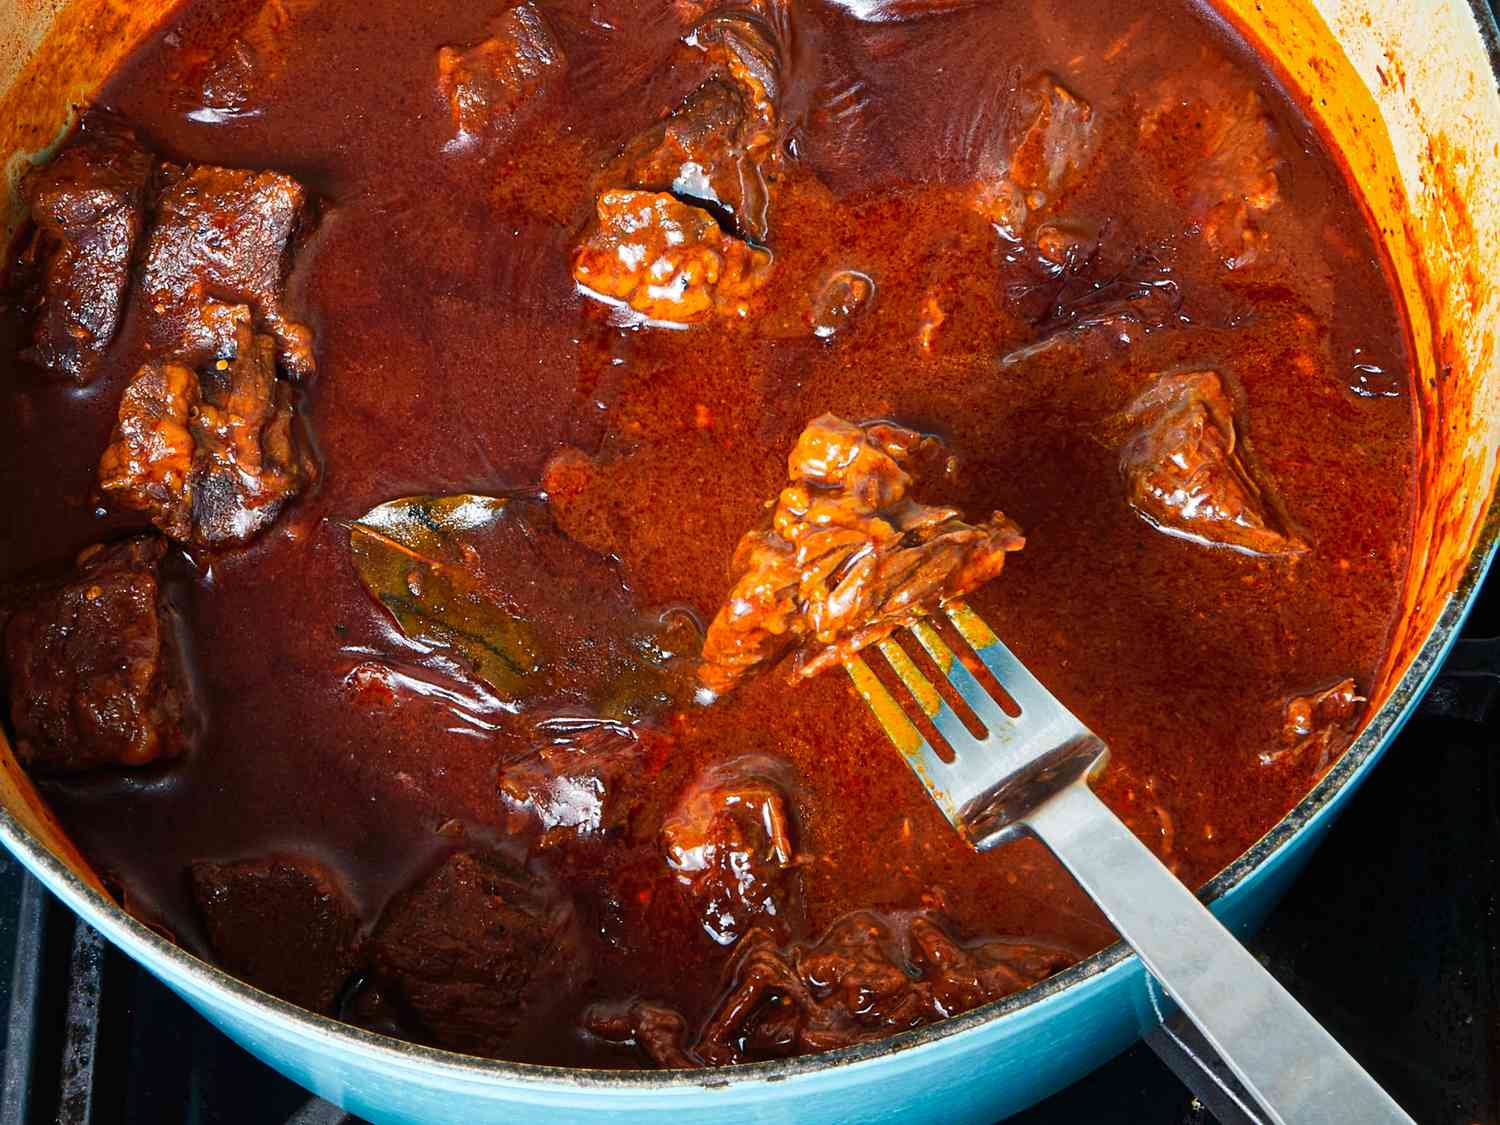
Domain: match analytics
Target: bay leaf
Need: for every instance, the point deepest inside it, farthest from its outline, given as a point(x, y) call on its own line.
point(417, 556)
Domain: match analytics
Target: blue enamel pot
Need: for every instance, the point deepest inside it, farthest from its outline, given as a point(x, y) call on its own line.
point(1425, 155)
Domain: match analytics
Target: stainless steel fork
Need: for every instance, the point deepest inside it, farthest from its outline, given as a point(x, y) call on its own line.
point(1029, 774)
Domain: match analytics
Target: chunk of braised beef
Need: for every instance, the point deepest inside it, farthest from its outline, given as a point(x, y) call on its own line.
point(572, 783)
point(212, 458)
point(282, 923)
point(1214, 141)
point(1186, 475)
point(1050, 144)
point(665, 260)
point(850, 556)
point(489, 86)
point(870, 976)
point(87, 205)
point(224, 236)
point(719, 148)
point(223, 74)
point(476, 950)
point(95, 670)
point(1318, 725)
point(730, 841)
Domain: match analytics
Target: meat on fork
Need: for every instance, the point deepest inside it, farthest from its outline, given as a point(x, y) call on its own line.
point(850, 556)
point(96, 676)
point(87, 206)
point(211, 457)
point(224, 236)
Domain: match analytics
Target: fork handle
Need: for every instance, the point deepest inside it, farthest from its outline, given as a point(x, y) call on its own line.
point(1286, 1061)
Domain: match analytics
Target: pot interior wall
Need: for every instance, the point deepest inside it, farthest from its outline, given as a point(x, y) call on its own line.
point(1403, 91)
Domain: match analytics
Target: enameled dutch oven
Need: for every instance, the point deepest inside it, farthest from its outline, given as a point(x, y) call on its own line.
point(1407, 92)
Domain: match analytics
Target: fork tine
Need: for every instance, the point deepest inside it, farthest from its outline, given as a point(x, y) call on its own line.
point(933, 705)
point(1028, 692)
point(970, 690)
point(905, 736)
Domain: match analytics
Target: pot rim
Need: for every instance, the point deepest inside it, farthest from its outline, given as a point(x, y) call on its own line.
point(126, 931)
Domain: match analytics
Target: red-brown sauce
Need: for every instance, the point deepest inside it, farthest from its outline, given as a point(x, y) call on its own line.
point(455, 354)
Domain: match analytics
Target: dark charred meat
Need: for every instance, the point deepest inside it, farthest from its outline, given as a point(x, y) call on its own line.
point(214, 456)
point(476, 950)
point(87, 206)
point(850, 556)
point(224, 236)
point(96, 676)
point(282, 923)
point(1186, 475)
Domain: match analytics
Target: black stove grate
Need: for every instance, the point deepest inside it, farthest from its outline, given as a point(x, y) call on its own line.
point(1390, 938)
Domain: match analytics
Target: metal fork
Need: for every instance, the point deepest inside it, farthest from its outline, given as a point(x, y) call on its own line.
point(1030, 774)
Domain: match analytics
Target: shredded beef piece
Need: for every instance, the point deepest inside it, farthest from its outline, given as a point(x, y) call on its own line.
point(87, 205)
point(850, 556)
point(870, 976)
point(719, 149)
point(729, 841)
point(489, 85)
point(96, 676)
point(1216, 143)
point(284, 924)
point(1185, 475)
point(476, 950)
point(224, 236)
point(1318, 724)
point(1052, 140)
point(666, 260)
point(659, 1031)
point(212, 458)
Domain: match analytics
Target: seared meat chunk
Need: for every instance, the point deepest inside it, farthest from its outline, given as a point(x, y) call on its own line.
point(1185, 474)
point(730, 843)
point(571, 784)
point(719, 148)
point(87, 207)
point(488, 85)
point(476, 950)
point(96, 676)
point(212, 458)
point(1216, 144)
point(870, 976)
point(850, 556)
point(1050, 144)
point(225, 236)
point(224, 71)
point(1318, 724)
point(666, 260)
point(283, 923)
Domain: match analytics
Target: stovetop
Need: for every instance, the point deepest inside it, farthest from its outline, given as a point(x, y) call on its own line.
point(1389, 938)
